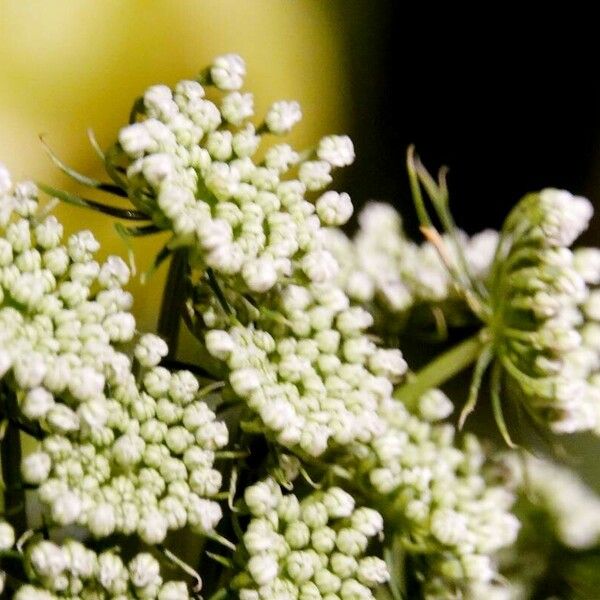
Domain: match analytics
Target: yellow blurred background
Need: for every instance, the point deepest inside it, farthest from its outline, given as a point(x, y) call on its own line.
point(69, 65)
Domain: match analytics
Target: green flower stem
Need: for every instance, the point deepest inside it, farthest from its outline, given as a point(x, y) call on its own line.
point(172, 302)
point(10, 456)
point(14, 493)
point(442, 368)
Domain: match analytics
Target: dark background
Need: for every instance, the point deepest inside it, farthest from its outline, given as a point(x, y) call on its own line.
point(509, 107)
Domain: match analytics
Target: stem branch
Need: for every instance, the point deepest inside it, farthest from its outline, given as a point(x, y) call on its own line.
point(10, 452)
point(172, 302)
point(442, 368)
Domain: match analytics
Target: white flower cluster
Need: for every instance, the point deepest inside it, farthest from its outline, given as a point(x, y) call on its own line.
point(381, 264)
point(306, 366)
point(540, 298)
point(314, 377)
point(439, 493)
point(193, 168)
point(148, 470)
point(71, 570)
point(318, 381)
point(573, 514)
point(316, 547)
point(116, 456)
point(62, 316)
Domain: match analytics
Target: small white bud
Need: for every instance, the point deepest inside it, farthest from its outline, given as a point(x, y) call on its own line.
point(449, 526)
point(388, 363)
point(128, 450)
point(353, 589)
point(320, 266)
point(372, 571)
point(136, 140)
point(66, 508)
point(228, 72)
point(300, 566)
point(351, 542)
point(237, 107)
point(144, 570)
point(260, 274)
point(204, 515)
point(334, 209)
point(153, 527)
point(174, 590)
point(337, 150)
point(7, 533)
point(315, 174)
point(101, 520)
point(219, 344)
point(61, 419)
point(338, 503)
point(282, 116)
point(368, 521)
point(263, 568)
point(150, 349)
point(434, 405)
point(262, 497)
point(244, 381)
point(219, 144)
point(36, 403)
point(113, 273)
point(29, 370)
point(47, 559)
point(35, 468)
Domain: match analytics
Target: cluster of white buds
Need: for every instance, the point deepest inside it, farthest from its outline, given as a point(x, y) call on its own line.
point(573, 515)
point(313, 376)
point(193, 168)
point(318, 381)
point(130, 447)
point(63, 316)
point(71, 570)
point(116, 456)
point(539, 299)
point(438, 492)
point(147, 470)
point(380, 264)
point(314, 547)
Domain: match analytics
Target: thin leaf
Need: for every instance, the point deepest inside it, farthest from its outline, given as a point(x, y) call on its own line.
point(113, 211)
point(393, 556)
point(123, 233)
point(141, 231)
point(95, 145)
point(217, 537)
point(226, 562)
point(173, 364)
point(216, 288)
point(412, 162)
point(111, 169)
point(483, 362)
point(495, 387)
point(309, 480)
point(79, 177)
point(230, 454)
point(136, 109)
point(159, 259)
point(183, 566)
